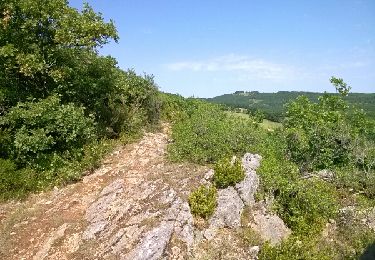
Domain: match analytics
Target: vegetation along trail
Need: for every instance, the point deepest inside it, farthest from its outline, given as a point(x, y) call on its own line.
point(97, 163)
point(106, 214)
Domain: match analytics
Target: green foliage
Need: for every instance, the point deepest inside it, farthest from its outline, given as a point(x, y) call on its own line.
point(272, 104)
point(207, 134)
point(43, 44)
point(174, 107)
point(202, 201)
point(294, 248)
point(257, 115)
point(18, 182)
point(321, 135)
point(45, 128)
point(340, 86)
point(348, 241)
point(352, 238)
point(134, 104)
point(59, 98)
point(228, 173)
point(14, 183)
point(355, 179)
point(276, 174)
point(306, 205)
point(93, 154)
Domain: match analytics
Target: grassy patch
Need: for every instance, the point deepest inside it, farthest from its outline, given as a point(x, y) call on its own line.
point(270, 125)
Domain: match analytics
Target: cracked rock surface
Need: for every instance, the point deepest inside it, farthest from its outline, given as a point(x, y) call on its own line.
point(133, 207)
point(222, 239)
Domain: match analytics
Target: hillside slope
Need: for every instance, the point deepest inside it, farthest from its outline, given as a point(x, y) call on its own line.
point(273, 103)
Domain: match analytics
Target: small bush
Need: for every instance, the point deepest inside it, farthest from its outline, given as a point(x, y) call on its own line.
point(356, 180)
point(276, 174)
point(227, 173)
point(202, 201)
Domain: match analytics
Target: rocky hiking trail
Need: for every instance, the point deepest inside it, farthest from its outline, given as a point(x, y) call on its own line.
point(135, 207)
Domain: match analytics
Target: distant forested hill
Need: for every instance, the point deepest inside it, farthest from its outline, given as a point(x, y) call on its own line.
point(272, 104)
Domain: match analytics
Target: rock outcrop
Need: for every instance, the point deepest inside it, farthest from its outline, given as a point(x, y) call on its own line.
point(232, 200)
point(135, 207)
point(269, 226)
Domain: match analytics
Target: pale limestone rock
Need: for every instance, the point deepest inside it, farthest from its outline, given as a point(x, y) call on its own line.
point(251, 162)
point(248, 187)
point(153, 243)
point(270, 227)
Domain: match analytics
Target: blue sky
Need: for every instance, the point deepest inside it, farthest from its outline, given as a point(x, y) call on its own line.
point(207, 48)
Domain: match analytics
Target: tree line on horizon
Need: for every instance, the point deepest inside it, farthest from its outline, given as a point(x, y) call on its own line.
point(272, 104)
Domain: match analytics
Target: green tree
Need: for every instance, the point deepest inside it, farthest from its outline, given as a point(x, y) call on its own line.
point(59, 97)
point(48, 47)
point(340, 86)
point(321, 135)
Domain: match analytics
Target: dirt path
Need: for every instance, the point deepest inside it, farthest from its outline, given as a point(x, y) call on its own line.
point(132, 207)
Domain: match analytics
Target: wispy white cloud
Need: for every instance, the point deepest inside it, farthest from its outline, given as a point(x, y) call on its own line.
point(251, 67)
point(346, 65)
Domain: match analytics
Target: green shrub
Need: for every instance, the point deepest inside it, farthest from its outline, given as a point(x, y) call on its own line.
point(319, 135)
point(356, 180)
point(134, 103)
point(202, 201)
point(207, 134)
point(307, 205)
point(15, 183)
point(309, 248)
point(41, 130)
point(348, 241)
point(227, 173)
point(93, 153)
point(173, 107)
point(277, 173)
point(5, 142)
point(325, 134)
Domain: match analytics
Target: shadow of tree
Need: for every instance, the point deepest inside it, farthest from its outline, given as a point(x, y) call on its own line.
point(369, 253)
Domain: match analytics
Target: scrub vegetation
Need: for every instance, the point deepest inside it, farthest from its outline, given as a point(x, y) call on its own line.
point(327, 136)
point(63, 107)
